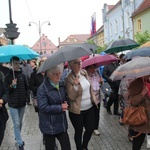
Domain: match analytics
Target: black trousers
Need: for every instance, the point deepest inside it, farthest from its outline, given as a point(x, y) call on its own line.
point(2, 127)
point(63, 138)
point(113, 99)
point(97, 115)
point(85, 119)
point(138, 141)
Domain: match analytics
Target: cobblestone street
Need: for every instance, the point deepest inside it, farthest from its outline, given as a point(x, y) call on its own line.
point(112, 137)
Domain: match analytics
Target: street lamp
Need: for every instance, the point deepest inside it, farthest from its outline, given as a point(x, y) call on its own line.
point(11, 30)
point(39, 26)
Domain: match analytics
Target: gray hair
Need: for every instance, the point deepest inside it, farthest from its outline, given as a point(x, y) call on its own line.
point(53, 70)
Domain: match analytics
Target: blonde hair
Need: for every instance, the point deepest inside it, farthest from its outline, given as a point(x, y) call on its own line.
point(72, 61)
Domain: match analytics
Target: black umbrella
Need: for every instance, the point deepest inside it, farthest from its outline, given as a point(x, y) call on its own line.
point(121, 45)
point(67, 53)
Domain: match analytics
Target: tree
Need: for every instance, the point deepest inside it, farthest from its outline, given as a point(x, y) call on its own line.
point(99, 49)
point(142, 37)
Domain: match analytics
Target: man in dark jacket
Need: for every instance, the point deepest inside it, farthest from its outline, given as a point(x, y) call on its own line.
point(17, 86)
point(108, 70)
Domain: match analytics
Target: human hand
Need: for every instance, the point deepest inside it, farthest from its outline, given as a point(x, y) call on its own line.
point(64, 106)
point(1, 102)
point(144, 91)
point(14, 81)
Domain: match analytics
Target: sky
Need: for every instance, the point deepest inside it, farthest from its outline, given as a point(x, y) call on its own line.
point(66, 17)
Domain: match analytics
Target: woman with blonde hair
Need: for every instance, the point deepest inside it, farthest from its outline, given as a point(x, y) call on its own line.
point(81, 100)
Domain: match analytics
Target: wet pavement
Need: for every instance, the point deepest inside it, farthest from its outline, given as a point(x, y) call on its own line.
point(113, 136)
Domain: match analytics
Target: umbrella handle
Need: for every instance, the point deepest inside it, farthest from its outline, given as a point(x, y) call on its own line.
point(13, 70)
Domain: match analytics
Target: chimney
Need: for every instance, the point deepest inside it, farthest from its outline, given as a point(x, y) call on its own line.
point(59, 41)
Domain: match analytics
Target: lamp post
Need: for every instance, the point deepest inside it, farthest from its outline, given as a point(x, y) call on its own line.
point(39, 26)
point(11, 30)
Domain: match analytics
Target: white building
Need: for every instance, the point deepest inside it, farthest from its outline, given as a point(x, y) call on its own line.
point(117, 19)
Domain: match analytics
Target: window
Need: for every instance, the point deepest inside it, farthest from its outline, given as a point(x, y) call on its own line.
point(139, 25)
point(127, 19)
point(121, 25)
point(116, 27)
point(110, 29)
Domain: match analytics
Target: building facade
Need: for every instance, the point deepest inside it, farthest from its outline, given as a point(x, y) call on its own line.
point(98, 37)
point(141, 18)
point(44, 46)
point(117, 20)
point(3, 40)
point(74, 39)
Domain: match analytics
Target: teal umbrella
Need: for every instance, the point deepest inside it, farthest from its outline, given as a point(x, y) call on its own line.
point(23, 52)
point(121, 45)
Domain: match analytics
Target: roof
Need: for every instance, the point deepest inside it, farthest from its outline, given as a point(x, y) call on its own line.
point(111, 7)
point(100, 29)
point(48, 46)
point(79, 37)
point(144, 6)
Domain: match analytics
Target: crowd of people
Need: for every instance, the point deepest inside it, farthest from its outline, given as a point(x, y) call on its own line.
point(77, 91)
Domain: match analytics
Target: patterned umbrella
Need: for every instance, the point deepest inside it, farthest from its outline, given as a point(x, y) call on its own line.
point(137, 67)
point(147, 44)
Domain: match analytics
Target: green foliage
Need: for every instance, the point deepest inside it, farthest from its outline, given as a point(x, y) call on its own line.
point(142, 37)
point(99, 49)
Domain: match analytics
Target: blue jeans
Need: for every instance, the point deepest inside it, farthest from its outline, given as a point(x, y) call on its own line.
point(17, 117)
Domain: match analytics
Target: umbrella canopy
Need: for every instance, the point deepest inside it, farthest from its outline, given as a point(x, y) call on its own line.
point(121, 45)
point(23, 52)
point(64, 54)
point(44, 55)
point(87, 46)
point(99, 60)
point(143, 52)
point(147, 44)
point(138, 67)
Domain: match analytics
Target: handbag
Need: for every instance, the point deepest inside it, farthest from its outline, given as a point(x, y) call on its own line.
point(134, 115)
point(106, 89)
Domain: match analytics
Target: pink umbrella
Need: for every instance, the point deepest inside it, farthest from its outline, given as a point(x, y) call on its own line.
point(99, 60)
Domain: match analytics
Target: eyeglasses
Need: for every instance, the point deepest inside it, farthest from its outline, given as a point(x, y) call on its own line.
point(77, 63)
point(56, 74)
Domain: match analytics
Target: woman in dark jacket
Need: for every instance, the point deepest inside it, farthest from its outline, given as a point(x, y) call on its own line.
point(3, 110)
point(35, 81)
point(52, 104)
